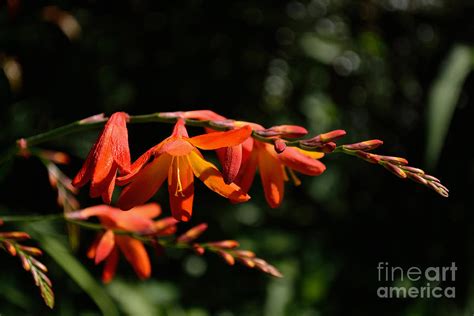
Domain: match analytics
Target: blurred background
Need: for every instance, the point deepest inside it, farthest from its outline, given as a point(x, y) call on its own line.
point(397, 70)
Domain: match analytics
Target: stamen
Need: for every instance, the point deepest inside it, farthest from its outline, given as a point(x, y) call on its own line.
point(294, 178)
point(179, 187)
point(285, 175)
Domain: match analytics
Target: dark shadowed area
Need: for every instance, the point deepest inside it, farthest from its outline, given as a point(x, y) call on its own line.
point(395, 70)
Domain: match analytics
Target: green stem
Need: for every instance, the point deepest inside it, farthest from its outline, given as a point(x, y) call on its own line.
point(83, 125)
point(31, 218)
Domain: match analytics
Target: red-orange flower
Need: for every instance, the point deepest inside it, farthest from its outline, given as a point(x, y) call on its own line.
point(109, 154)
point(178, 159)
point(107, 245)
point(274, 168)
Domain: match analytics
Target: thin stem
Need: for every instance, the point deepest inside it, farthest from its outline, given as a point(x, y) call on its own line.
point(31, 218)
point(83, 125)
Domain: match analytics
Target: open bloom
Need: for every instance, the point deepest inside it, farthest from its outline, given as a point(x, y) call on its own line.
point(109, 154)
point(107, 245)
point(178, 159)
point(275, 168)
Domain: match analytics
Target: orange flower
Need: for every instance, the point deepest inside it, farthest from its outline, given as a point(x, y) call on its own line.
point(109, 154)
point(178, 159)
point(273, 168)
point(107, 245)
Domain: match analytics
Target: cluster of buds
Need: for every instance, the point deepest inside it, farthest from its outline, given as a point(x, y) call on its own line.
point(227, 250)
point(9, 241)
point(396, 165)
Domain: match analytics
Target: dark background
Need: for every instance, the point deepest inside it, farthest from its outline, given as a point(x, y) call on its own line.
point(378, 69)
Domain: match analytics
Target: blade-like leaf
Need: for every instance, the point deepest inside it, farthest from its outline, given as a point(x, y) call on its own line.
point(443, 98)
point(66, 260)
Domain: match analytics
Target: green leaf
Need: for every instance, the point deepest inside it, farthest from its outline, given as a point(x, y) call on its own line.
point(443, 98)
point(66, 260)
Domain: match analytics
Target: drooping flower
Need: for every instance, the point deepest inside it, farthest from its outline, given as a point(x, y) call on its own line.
point(107, 245)
point(108, 155)
point(275, 168)
point(178, 160)
point(240, 162)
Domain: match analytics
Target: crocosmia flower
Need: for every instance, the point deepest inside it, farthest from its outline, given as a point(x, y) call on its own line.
point(178, 159)
point(108, 155)
point(275, 168)
point(108, 245)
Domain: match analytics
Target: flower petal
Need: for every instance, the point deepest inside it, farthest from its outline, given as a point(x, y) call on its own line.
point(85, 174)
point(247, 172)
point(301, 162)
point(231, 162)
point(222, 139)
point(146, 183)
point(149, 210)
point(181, 189)
point(93, 248)
point(272, 176)
point(212, 178)
point(104, 171)
point(98, 210)
point(107, 195)
point(119, 137)
point(135, 253)
point(179, 129)
point(110, 266)
point(105, 246)
point(176, 147)
point(138, 165)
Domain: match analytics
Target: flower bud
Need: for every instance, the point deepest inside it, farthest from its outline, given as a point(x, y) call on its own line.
point(227, 257)
point(225, 244)
point(93, 119)
point(198, 249)
point(394, 160)
point(367, 157)
point(193, 233)
point(279, 145)
point(395, 170)
point(415, 177)
point(15, 235)
point(244, 253)
point(286, 131)
point(365, 145)
point(9, 247)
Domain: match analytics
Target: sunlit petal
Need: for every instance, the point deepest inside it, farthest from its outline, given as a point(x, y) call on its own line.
point(145, 185)
point(301, 162)
point(222, 139)
point(181, 189)
point(272, 176)
point(105, 246)
point(213, 179)
point(135, 253)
